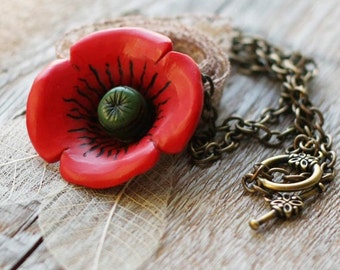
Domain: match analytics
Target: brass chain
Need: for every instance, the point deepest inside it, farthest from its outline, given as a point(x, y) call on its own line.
point(311, 149)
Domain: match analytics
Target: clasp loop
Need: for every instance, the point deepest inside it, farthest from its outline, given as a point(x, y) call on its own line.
point(301, 162)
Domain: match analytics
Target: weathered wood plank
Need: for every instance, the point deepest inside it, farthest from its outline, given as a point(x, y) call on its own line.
point(208, 212)
point(18, 238)
point(41, 259)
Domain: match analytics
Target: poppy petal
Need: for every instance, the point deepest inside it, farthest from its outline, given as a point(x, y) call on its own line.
point(183, 102)
point(102, 172)
point(46, 119)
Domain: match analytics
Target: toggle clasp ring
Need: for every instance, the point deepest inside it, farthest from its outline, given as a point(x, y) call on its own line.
point(296, 186)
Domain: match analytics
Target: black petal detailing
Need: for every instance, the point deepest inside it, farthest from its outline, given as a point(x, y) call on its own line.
point(84, 95)
point(95, 72)
point(76, 67)
point(82, 129)
point(85, 130)
point(101, 151)
point(120, 70)
point(78, 117)
point(109, 153)
point(159, 110)
point(151, 84)
point(161, 91)
point(93, 148)
point(116, 154)
point(76, 102)
point(109, 74)
point(131, 73)
point(159, 104)
point(90, 88)
point(90, 140)
point(77, 114)
point(141, 82)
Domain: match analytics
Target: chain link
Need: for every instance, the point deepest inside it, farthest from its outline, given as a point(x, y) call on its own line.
point(294, 72)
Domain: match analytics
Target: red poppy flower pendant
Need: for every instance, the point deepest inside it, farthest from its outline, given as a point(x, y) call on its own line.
point(107, 113)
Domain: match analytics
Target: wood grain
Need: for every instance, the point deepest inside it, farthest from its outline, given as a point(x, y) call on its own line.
point(208, 210)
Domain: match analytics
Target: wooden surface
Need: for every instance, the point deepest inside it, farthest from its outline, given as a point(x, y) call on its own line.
point(206, 223)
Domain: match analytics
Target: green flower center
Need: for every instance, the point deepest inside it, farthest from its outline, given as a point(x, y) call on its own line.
point(125, 113)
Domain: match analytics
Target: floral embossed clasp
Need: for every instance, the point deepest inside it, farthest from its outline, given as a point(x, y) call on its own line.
point(282, 179)
point(284, 206)
point(302, 161)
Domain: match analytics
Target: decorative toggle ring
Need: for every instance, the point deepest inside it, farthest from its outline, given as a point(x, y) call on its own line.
point(297, 186)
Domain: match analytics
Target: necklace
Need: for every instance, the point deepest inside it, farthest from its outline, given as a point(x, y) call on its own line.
point(306, 168)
